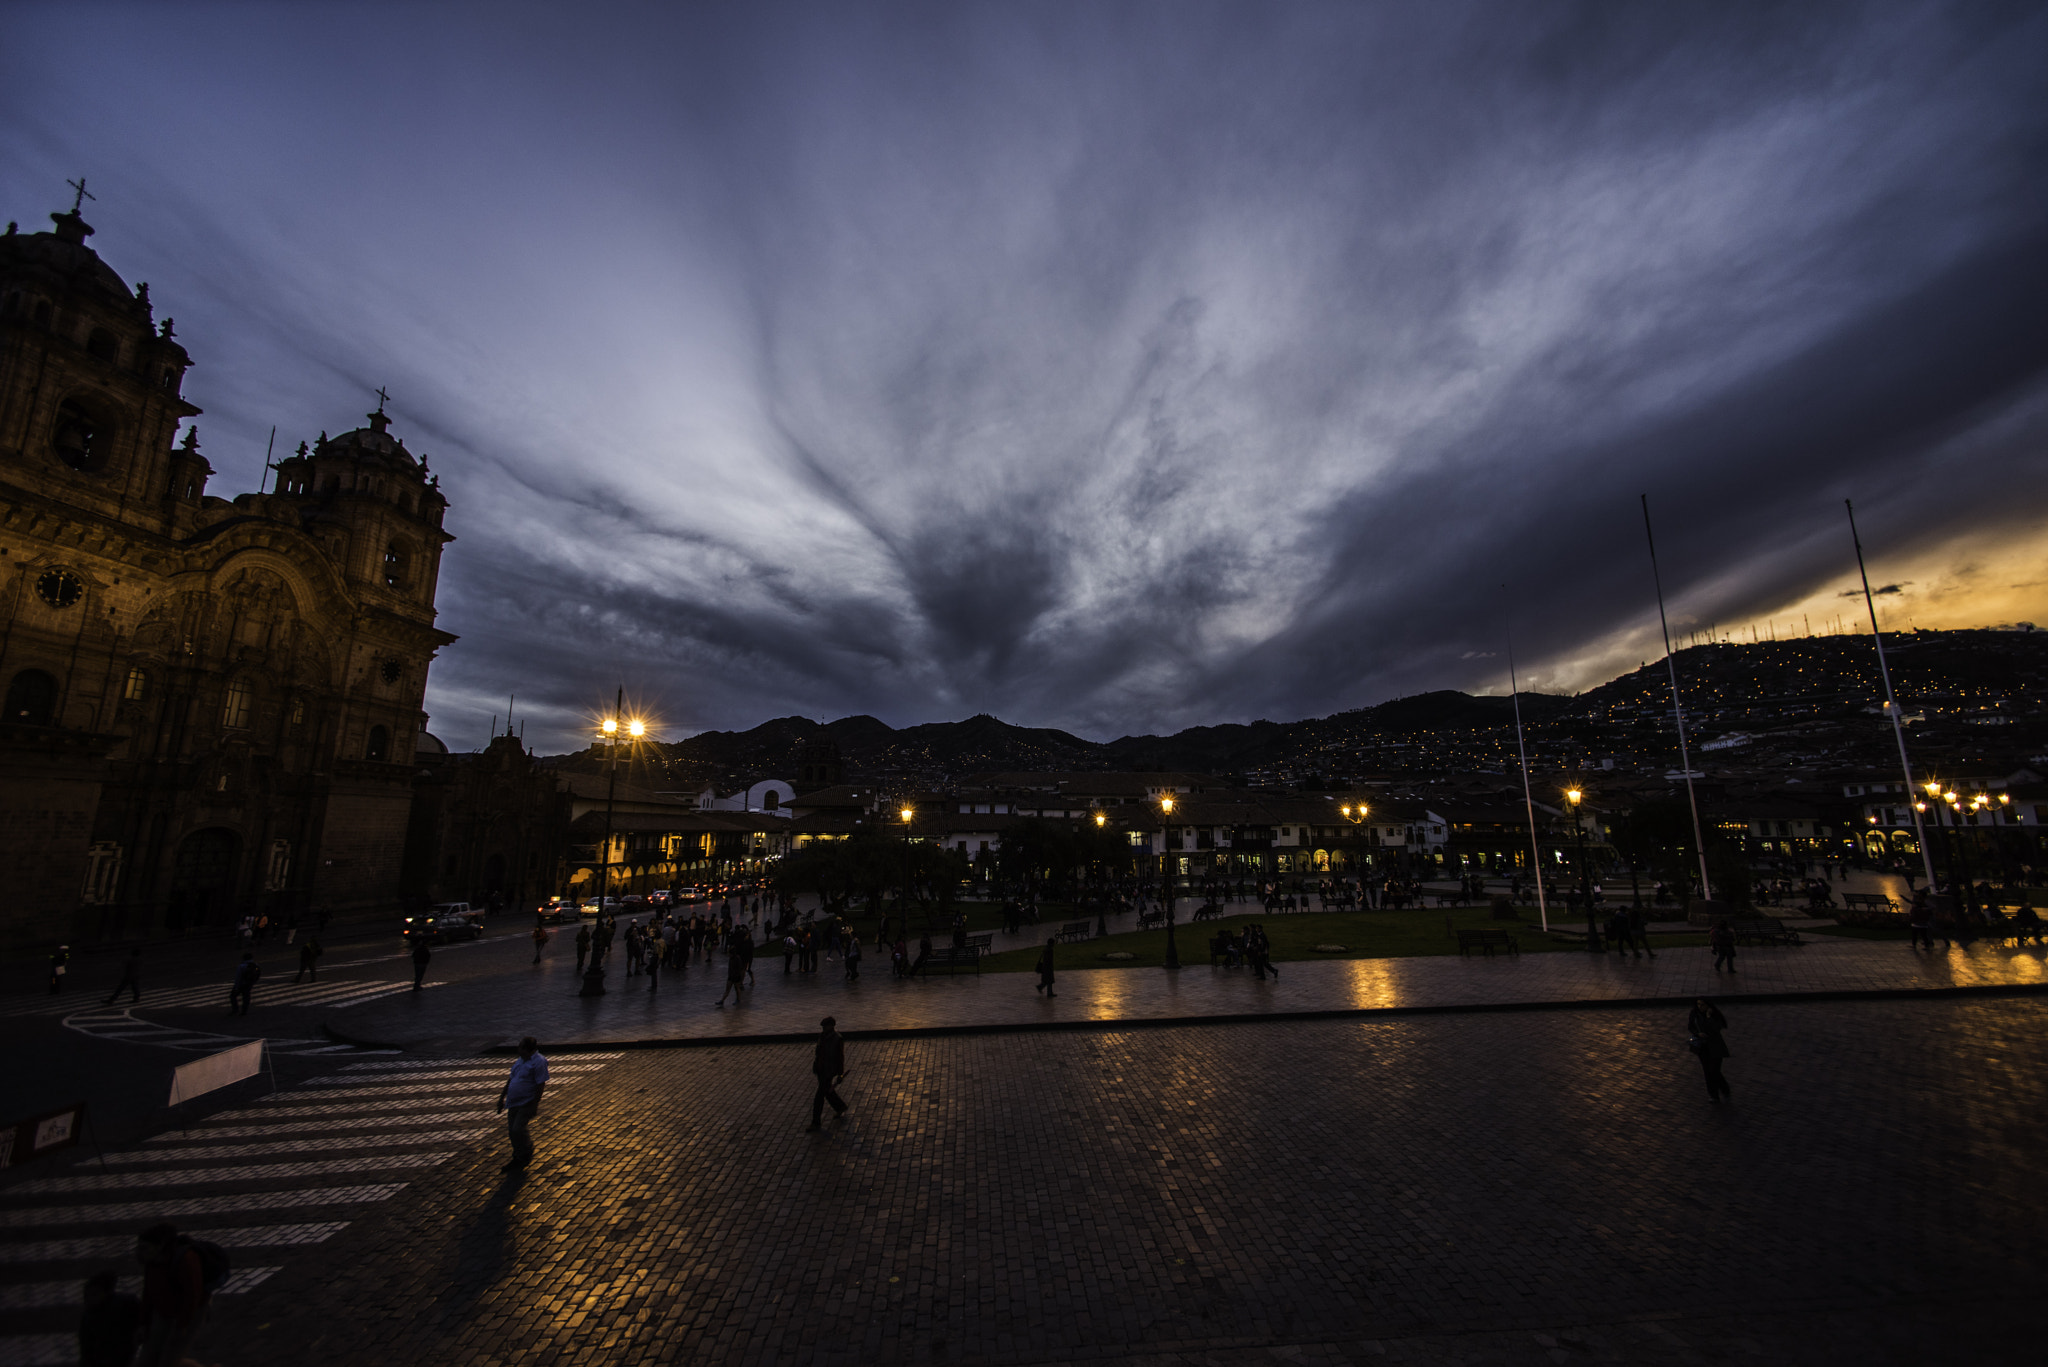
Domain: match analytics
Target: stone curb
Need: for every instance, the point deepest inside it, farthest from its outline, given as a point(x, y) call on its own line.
point(1330, 1013)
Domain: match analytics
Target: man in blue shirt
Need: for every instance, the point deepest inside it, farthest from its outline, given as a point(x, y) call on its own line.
point(521, 1099)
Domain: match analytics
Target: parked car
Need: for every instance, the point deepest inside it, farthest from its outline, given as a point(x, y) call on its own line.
point(439, 928)
point(558, 911)
point(689, 895)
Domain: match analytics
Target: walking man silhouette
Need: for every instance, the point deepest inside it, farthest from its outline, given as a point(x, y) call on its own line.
point(828, 1066)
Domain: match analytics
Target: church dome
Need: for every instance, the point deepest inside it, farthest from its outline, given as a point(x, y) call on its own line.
point(429, 744)
point(63, 260)
point(373, 440)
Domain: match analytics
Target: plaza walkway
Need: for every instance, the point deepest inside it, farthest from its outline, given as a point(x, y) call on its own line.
point(542, 1000)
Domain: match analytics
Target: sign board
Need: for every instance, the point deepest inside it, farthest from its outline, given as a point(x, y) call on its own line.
point(41, 1134)
point(215, 1071)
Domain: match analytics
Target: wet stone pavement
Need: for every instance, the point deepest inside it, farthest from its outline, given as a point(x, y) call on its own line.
point(521, 997)
point(1537, 1188)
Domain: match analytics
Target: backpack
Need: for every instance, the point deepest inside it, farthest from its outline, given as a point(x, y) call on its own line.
point(213, 1263)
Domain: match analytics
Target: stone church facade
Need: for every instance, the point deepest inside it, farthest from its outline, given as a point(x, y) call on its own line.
point(211, 705)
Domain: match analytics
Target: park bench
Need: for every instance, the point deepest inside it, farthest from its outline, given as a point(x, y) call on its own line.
point(982, 944)
point(1073, 932)
point(1486, 941)
point(948, 958)
point(1148, 920)
point(1764, 931)
point(1868, 901)
point(1208, 911)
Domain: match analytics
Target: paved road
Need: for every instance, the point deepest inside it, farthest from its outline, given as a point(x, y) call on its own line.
point(1542, 1188)
point(507, 995)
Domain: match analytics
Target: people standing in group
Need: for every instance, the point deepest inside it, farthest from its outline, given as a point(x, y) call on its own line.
point(239, 991)
point(520, 1101)
point(1721, 939)
point(422, 955)
point(636, 949)
point(1045, 970)
point(582, 947)
point(131, 978)
point(174, 1294)
point(1703, 1025)
point(828, 1068)
point(852, 957)
point(653, 961)
point(309, 960)
point(789, 948)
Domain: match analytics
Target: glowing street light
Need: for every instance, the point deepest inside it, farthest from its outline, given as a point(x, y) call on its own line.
point(1166, 881)
point(608, 729)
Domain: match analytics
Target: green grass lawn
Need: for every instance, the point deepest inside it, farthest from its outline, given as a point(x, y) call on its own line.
point(1364, 935)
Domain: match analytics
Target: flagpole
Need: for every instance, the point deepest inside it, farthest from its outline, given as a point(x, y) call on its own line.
point(1891, 703)
point(267, 466)
point(1529, 802)
point(1677, 708)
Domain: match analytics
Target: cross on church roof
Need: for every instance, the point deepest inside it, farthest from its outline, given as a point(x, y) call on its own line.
point(78, 200)
point(382, 398)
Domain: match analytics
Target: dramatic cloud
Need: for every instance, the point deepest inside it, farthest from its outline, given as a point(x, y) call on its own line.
point(1117, 367)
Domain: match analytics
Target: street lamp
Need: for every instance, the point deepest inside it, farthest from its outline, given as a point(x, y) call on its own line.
point(907, 812)
point(609, 728)
point(1593, 945)
point(1166, 881)
point(1101, 903)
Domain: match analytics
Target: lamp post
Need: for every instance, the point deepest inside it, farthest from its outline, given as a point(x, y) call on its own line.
point(1101, 904)
point(593, 977)
point(907, 813)
point(1166, 880)
point(1976, 805)
point(1356, 816)
point(1593, 945)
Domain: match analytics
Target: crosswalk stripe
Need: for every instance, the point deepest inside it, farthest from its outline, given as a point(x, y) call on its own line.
point(340, 1141)
point(99, 1246)
point(345, 1077)
point(292, 1114)
point(254, 1172)
point(57, 1295)
point(38, 1350)
point(446, 1089)
point(369, 1122)
point(582, 1061)
point(134, 1212)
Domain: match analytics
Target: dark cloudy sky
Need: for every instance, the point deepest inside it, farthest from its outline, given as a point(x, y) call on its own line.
point(1109, 366)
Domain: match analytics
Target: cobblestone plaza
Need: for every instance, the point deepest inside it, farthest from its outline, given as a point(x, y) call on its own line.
point(1542, 1187)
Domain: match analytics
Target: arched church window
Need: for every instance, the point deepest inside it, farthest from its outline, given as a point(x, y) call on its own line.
point(31, 698)
point(137, 687)
point(78, 439)
point(395, 566)
point(379, 746)
point(238, 706)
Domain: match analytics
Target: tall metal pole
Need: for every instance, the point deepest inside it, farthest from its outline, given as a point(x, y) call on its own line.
point(1529, 802)
point(1677, 708)
point(1891, 702)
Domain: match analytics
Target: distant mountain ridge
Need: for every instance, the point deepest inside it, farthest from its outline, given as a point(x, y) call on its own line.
point(1839, 670)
